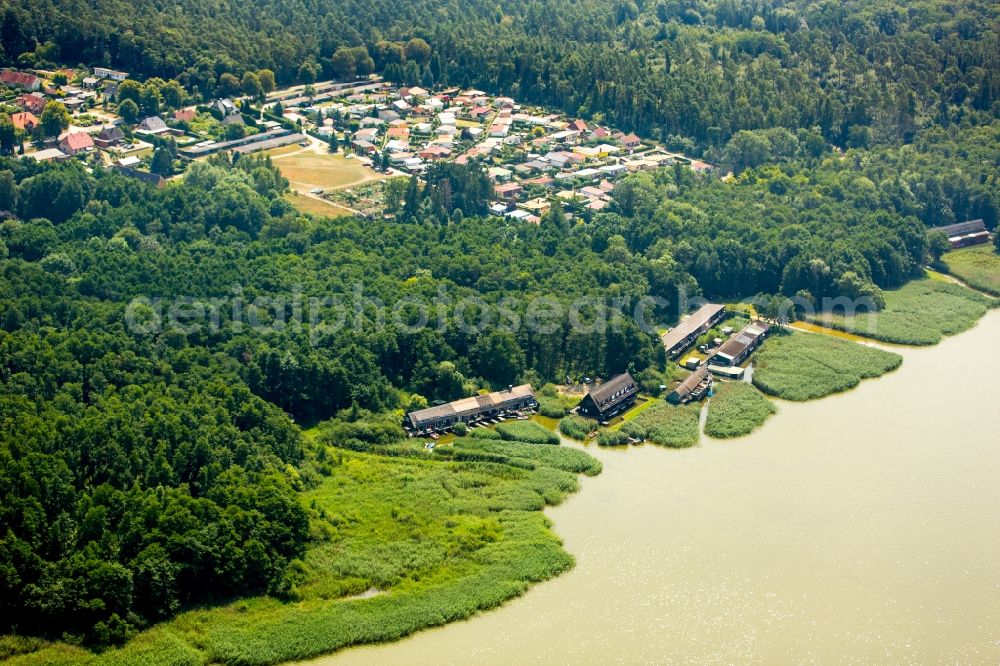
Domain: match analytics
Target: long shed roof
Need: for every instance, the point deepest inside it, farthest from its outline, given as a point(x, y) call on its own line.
point(684, 329)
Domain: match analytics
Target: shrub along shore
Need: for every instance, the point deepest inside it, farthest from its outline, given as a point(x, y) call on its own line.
point(433, 537)
point(736, 409)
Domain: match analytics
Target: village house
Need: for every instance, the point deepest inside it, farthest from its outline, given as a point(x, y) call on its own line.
point(152, 125)
point(435, 152)
point(739, 347)
point(605, 401)
point(22, 80)
point(33, 102)
point(75, 143)
point(185, 115)
point(109, 136)
point(683, 335)
point(362, 146)
point(49, 155)
point(225, 107)
point(113, 74)
point(630, 141)
point(508, 191)
point(470, 410)
point(25, 120)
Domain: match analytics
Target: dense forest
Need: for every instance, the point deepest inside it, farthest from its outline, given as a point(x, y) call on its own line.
point(692, 72)
point(147, 467)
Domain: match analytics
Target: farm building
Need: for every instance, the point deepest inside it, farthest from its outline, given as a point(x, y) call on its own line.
point(739, 347)
point(965, 233)
point(470, 410)
point(610, 398)
point(694, 387)
point(681, 336)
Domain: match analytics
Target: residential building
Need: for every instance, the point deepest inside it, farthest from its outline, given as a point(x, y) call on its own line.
point(605, 401)
point(470, 410)
point(22, 80)
point(75, 143)
point(107, 73)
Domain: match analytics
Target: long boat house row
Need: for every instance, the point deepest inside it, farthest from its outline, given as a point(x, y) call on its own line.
point(683, 335)
point(607, 400)
point(470, 410)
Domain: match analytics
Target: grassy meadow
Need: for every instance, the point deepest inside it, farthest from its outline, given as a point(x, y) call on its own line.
point(400, 542)
point(666, 425)
point(919, 313)
point(978, 267)
point(736, 409)
point(806, 366)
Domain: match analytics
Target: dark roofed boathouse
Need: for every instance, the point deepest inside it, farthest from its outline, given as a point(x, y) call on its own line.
point(611, 398)
point(739, 347)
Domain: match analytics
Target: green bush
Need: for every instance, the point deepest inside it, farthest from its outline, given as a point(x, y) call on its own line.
point(805, 366)
point(606, 437)
point(666, 425)
point(484, 433)
point(526, 431)
point(577, 427)
point(551, 407)
point(736, 409)
point(460, 429)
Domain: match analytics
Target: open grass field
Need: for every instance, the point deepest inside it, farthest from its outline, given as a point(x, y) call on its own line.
point(314, 206)
point(919, 313)
point(805, 366)
point(736, 409)
point(978, 267)
point(400, 543)
point(305, 169)
point(666, 425)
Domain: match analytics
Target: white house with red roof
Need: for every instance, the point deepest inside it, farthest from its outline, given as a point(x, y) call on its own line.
point(75, 143)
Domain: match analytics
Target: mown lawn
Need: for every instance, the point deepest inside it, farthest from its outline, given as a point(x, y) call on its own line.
point(919, 313)
point(736, 409)
point(978, 267)
point(805, 366)
point(431, 537)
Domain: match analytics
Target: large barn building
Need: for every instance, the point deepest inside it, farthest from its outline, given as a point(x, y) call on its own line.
point(470, 410)
point(683, 335)
point(965, 233)
point(607, 400)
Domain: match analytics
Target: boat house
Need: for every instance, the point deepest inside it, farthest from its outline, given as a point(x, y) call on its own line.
point(739, 347)
point(965, 233)
point(470, 410)
point(694, 387)
point(681, 336)
point(611, 398)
